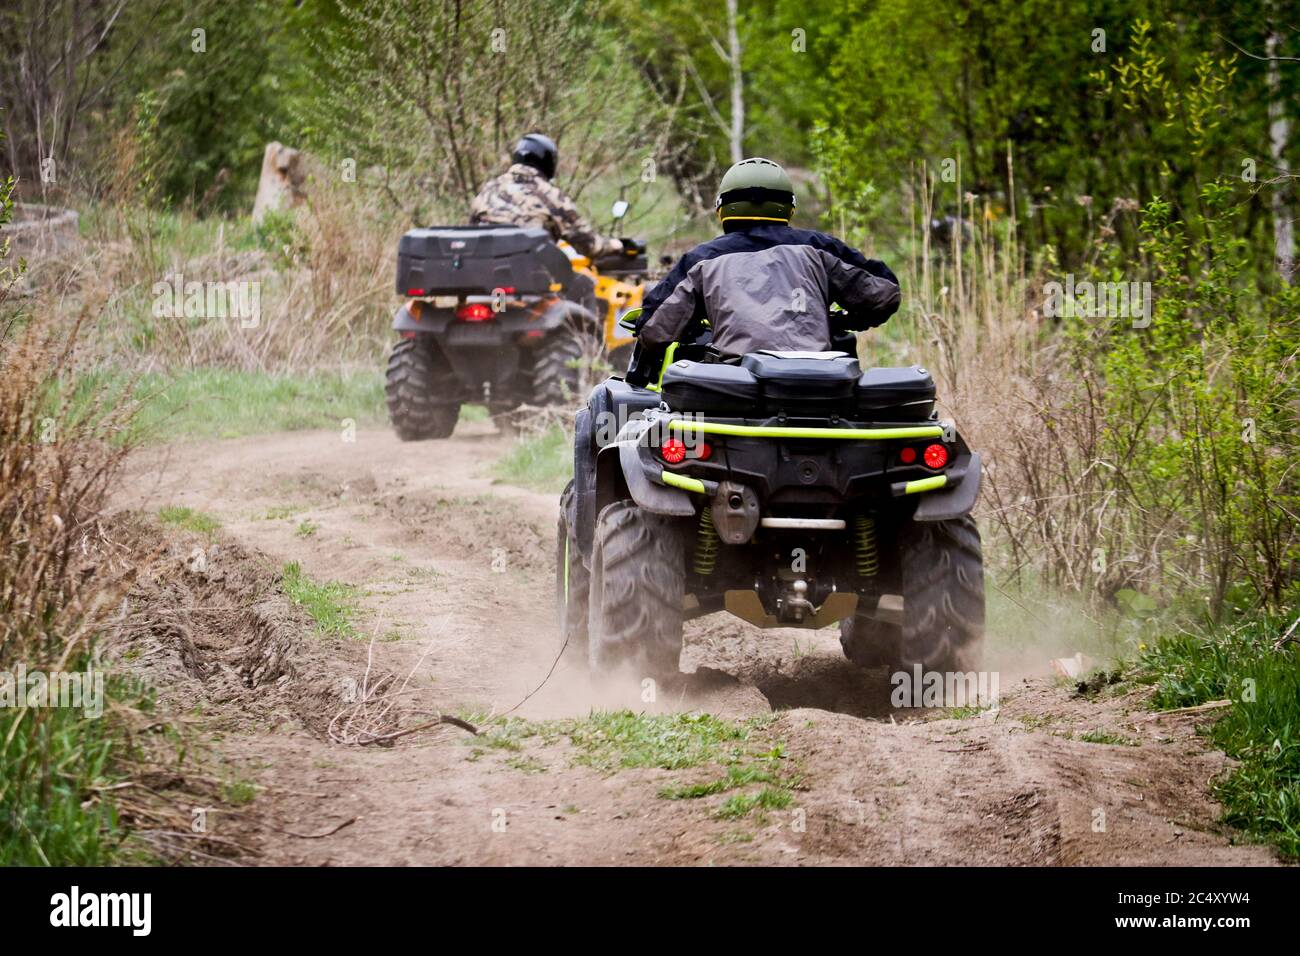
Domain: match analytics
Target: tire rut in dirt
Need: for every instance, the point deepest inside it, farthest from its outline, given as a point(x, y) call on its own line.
point(415, 373)
point(637, 584)
point(943, 595)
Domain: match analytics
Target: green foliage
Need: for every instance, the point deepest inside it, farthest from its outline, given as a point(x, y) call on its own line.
point(215, 108)
point(1201, 420)
point(1249, 665)
point(54, 764)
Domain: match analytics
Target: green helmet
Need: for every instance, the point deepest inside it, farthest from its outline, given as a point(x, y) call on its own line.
point(755, 189)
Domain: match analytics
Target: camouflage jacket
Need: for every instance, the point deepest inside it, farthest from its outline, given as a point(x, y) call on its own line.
point(522, 196)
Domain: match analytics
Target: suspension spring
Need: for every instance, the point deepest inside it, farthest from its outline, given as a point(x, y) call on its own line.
point(864, 536)
point(706, 544)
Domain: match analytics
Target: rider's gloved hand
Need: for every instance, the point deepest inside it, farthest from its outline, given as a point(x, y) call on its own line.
point(644, 367)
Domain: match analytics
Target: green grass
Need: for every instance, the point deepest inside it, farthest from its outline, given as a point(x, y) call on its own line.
point(740, 804)
point(609, 741)
point(332, 605)
point(543, 463)
point(188, 519)
point(50, 761)
point(222, 403)
point(1261, 728)
point(1103, 737)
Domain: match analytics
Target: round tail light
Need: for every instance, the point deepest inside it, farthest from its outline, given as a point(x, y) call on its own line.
point(936, 456)
point(673, 451)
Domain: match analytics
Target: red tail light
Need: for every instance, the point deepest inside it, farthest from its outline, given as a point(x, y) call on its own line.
point(415, 292)
point(673, 451)
point(703, 450)
point(474, 312)
point(936, 456)
point(907, 455)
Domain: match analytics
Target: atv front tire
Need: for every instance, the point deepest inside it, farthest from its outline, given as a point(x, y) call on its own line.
point(415, 374)
point(638, 579)
point(572, 582)
point(943, 595)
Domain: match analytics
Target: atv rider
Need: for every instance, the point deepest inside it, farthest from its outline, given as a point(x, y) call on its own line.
point(525, 196)
point(762, 284)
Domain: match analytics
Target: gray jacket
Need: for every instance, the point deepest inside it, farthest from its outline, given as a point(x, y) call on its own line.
point(768, 286)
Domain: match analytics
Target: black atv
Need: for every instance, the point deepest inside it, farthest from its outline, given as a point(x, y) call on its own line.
point(498, 315)
point(792, 490)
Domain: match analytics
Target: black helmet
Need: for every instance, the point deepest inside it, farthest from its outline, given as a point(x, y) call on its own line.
point(755, 188)
point(537, 151)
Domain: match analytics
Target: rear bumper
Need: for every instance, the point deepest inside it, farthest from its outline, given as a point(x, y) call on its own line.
point(800, 469)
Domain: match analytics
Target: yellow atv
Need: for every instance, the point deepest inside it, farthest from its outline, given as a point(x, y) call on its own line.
point(503, 316)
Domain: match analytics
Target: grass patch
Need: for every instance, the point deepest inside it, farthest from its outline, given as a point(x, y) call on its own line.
point(332, 605)
point(740, 804)
point(224, 403)
point(612, 740)
point(1261, 729)
point(543, 462)
point(1102, 737)
point(187, 518)
point(50, 772)
point(615, 740)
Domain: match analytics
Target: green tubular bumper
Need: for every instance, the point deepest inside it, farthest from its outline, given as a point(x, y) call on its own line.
point(683, 482)
point(925, 484)
point(778, 431)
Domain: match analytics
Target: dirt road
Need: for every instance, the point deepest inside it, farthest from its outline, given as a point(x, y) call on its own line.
point(455, 583)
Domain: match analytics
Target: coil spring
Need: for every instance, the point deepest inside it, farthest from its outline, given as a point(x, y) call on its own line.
point(864, 535)
point(706, 544)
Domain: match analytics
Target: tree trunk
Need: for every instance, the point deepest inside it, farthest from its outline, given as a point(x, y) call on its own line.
point(737, 84)
point(1279, 133)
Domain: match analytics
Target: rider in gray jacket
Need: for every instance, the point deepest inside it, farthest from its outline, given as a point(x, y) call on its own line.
point(762, 284)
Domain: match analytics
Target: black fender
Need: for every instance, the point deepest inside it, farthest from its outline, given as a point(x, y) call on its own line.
point(583, 501)
point(433, 321)
point(633, 469)
point(955, 502)
point(563, 312)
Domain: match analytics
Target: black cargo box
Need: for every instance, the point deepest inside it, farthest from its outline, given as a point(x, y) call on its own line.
point(895, 394)
point(475, 260)
point(709, 387)
point(805, 383)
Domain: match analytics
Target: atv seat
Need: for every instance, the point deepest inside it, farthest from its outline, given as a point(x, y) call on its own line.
point(801, 384)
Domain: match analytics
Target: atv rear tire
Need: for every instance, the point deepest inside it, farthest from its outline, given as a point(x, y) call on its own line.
point(868, 642)
point(572, 583)
point(638, 579)
point(943, 595)
point(415, 374)
point(557, 372)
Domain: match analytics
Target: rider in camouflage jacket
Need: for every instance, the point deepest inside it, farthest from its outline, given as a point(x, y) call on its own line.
point(525, 196)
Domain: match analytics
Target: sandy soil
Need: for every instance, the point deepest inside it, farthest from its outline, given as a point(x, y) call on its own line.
point(455, 575)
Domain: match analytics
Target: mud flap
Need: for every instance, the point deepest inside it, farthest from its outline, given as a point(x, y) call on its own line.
point(954, 502)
